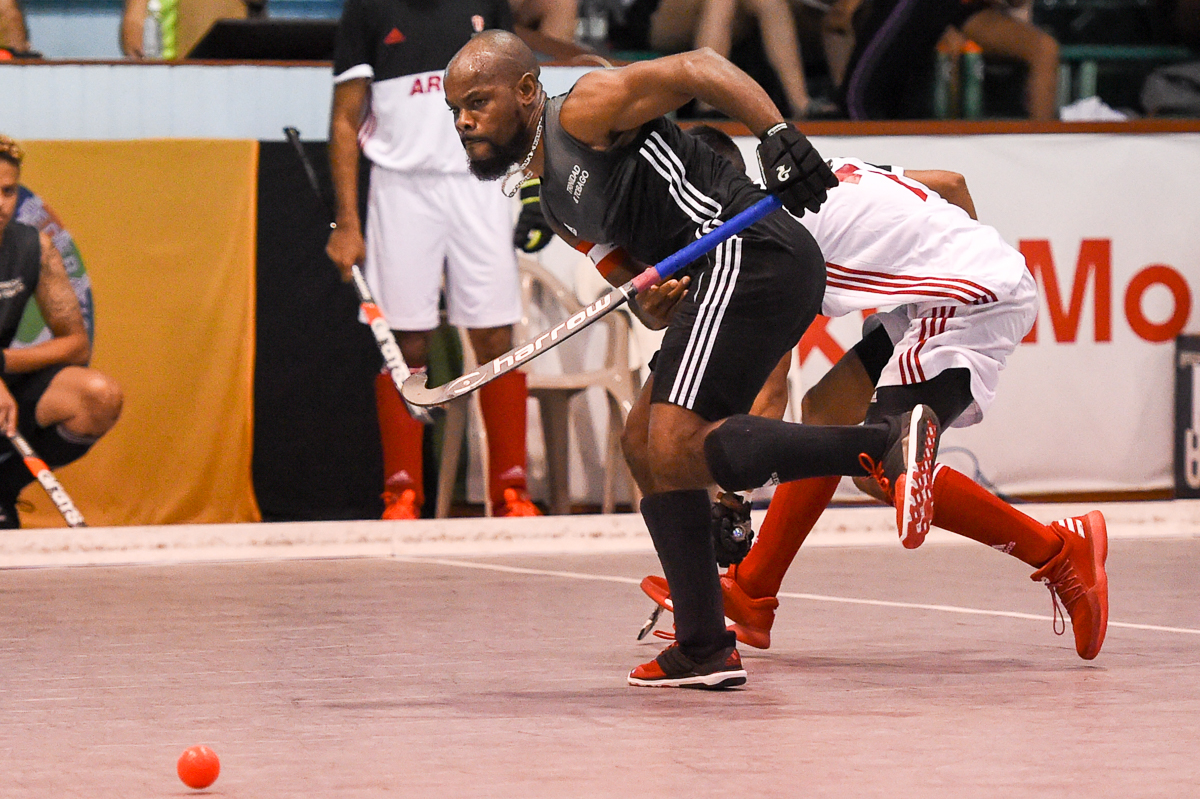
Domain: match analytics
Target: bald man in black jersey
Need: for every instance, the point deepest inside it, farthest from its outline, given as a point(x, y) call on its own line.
point(615, 171)
point(47, 391)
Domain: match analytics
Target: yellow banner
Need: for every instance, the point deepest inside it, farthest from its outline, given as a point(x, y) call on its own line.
point(168, 231)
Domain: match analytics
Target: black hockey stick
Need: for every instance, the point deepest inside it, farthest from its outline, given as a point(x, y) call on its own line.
point(39, 469)
point(416, 392)
point(393, 359)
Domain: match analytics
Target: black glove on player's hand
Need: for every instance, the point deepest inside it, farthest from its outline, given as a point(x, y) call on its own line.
point(731, 531)
point(794, 170)
point(531, 233)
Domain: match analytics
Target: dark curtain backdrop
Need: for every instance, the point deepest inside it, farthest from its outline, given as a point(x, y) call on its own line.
point(316, 438)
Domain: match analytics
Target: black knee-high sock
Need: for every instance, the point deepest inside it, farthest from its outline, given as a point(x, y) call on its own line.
point(678, 523)
point(748, 451)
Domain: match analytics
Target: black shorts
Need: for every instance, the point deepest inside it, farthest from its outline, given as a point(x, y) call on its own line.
point(741, 316)
point(27, 389)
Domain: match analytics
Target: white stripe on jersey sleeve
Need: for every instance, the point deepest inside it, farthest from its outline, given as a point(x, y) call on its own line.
point(356, 71)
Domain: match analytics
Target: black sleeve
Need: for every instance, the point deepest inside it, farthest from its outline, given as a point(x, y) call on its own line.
point(354, 43)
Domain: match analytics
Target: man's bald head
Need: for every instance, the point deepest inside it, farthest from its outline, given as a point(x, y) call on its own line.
point(494, 55)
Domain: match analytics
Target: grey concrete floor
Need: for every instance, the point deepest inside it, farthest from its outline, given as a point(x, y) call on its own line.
point(365, 678)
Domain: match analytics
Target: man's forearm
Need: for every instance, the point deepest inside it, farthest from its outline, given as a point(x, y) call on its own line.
point(716, 81)
point(343, 164)
point(70, 350)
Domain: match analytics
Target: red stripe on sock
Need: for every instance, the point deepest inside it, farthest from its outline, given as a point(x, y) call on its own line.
point(794, 510)
point(962, 506)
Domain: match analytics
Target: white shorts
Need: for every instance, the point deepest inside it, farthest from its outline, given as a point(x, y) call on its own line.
point(930, 339)
point(419, 223)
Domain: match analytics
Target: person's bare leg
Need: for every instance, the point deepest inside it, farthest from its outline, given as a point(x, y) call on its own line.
point(635, 436)
point(85, 402)
point(13, 33)
point(782, 46)
point(997, 32)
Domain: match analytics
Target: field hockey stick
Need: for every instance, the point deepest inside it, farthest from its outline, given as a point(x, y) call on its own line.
point(393, 359)
point(39, 469)
point(416, 392)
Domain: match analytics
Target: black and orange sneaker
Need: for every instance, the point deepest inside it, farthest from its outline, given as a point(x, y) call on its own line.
point(673, 669)
point(1076, 575)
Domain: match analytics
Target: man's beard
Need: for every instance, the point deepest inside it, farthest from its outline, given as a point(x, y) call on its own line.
point(497, 165)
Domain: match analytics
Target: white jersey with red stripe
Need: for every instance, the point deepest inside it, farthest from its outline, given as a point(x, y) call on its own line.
point(888, 241)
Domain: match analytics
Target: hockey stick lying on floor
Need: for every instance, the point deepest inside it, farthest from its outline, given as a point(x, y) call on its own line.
point(417, 393)
point(388, 348)
point(42, 472)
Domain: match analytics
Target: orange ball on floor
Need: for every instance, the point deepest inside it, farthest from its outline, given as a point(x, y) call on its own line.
point(198, 766)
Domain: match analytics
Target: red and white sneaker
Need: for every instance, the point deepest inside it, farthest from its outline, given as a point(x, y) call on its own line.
point(1076, 575)
point(905, 473)
point(752, 618)
point(673, 669)
point(400, 506)
point(517, 503)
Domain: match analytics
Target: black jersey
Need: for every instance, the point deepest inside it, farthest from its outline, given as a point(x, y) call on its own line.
point(651, 196)
point(20, 266)
point(403, 46)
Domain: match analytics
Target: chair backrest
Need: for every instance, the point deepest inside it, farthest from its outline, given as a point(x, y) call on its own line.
point(543, 293)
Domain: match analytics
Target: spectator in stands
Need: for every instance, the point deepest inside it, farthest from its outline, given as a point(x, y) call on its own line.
point(14, 33)
point(180, 24)
point(887, 76)
point(678, 25)
point(47, 392)
point(554, 18)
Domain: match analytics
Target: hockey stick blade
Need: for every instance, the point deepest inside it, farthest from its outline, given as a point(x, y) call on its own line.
point(416, 391)
point(393, 359)
point(650, 622)
point(38, 468)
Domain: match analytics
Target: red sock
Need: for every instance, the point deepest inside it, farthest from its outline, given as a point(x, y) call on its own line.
point(402, 437)
point(794, 510)
point(503, 402)
point(962, 506)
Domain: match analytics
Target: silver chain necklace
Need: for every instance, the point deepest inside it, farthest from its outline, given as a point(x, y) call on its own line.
point(537, 137)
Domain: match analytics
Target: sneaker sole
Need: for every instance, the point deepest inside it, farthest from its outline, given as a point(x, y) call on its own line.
point(916, 513)
point(1098, 532)
point(712, 682)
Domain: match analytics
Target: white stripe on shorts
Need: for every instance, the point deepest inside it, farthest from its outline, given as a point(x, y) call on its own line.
point(722, 283)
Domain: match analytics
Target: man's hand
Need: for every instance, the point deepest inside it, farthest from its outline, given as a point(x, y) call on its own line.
point(346, 248)
point(8, 411)
point(532, 233)
point(657, 303)
point(794, 170)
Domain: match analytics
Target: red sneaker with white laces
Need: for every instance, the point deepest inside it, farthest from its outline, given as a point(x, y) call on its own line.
point(517, 503)
point(400, 506)
point(1076, 575)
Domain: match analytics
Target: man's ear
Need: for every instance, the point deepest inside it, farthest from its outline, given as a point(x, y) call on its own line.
point(527, 88)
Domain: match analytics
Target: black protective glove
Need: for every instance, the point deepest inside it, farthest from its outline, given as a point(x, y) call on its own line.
point(531, 233)
point(731, 531)
point(794, 170)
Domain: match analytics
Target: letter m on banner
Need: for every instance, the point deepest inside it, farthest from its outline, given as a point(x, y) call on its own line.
point(1095, 261)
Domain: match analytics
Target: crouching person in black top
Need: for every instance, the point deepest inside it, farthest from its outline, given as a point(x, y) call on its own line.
point(47, 391)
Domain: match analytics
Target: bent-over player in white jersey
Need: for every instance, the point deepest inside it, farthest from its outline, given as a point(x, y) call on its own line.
point(430, 225)
point(967, 299)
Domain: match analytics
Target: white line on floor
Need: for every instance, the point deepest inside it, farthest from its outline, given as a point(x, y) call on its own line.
point(466, 564)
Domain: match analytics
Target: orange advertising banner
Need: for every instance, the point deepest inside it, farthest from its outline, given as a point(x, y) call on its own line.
point(168, 231)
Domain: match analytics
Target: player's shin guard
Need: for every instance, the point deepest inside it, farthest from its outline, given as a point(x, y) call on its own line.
point(503, 404)
point(678, 522)
point(402, 438)
point(962, 506)
point(746, 452)
point(794, 510)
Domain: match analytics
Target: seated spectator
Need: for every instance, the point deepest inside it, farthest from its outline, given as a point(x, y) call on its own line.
point(887, 75)
point(679, 25)
point(182, 23)
point(47, 392)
